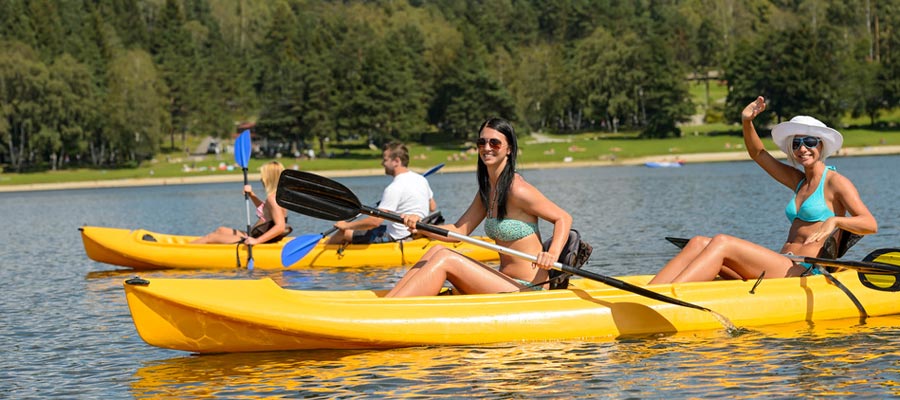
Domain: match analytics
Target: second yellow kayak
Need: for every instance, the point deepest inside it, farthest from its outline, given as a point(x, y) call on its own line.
point(143, 249)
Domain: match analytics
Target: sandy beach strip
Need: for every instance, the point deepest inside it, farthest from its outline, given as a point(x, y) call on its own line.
point(188, 180)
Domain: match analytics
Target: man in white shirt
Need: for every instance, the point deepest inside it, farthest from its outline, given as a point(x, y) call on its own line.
point(408, 193)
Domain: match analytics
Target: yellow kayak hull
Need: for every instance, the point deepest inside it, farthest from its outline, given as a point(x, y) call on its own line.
point(129, 248)
point(215, 316)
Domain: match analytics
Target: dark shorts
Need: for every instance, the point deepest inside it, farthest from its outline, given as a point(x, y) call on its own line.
point(375, 235)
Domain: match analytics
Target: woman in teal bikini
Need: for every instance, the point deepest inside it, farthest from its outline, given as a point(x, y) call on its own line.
point(823, 201)
point(510, 208)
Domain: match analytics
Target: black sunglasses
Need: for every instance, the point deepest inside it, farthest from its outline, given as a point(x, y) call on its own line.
point(494, 142)
point(809, 141)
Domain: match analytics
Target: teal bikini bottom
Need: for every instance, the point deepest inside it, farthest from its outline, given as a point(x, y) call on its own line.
point(810, 269)
point(528, 285)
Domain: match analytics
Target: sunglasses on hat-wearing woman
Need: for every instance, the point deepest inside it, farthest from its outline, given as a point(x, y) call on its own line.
point(809, 141)
point(494, 142)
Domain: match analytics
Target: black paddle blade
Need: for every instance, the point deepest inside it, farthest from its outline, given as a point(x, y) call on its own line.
point(882, 280)
point(680, 242)
point(316, 196)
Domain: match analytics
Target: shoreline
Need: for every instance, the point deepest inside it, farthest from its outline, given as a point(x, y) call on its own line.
point(695, 158)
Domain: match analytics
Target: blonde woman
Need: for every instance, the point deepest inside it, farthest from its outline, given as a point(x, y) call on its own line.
point(272, 223)
point(823, 200)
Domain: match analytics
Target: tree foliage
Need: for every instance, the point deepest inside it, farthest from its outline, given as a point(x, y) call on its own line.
point(111, 83)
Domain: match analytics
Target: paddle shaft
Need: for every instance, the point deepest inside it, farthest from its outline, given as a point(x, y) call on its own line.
point(619, 284)
point(242, 152)
point(861, 266)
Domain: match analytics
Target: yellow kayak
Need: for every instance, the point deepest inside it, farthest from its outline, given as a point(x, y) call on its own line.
point(142, 249)
point(213, 316)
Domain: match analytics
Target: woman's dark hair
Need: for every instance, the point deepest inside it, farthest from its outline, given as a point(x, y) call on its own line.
point(506, 177)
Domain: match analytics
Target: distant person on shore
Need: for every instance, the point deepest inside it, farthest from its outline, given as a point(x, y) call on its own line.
point(510, 208)
point(822, 200)
point(408, 193)
point(272, 223)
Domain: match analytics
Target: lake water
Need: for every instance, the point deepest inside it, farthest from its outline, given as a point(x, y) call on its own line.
point(66, 330)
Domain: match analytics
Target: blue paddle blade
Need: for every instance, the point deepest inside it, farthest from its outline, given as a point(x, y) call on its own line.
point(242, 149)
point(433, 169)
point(298, 248)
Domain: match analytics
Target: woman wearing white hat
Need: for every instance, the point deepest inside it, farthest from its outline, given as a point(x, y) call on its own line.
point(822, 200)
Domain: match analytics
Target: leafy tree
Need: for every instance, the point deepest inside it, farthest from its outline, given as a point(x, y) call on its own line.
point(539, 84)
point(16, 23)
point(72, 111)
point(864, 92)
point(607, 77)
point(887, 50)
point(23, 81)
point(707, 53)
point(663, 97)
point(168, 46)
point(280, 81)
point(136, 108)
point(797, 70)
point(468, 94)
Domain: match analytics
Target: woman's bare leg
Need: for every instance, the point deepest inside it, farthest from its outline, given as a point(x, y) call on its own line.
point(415, 269)
point(681, 260)
point(467, 275)
point(745, 258)
point(222, 234)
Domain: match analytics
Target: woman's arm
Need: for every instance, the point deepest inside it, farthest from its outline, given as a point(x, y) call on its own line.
point(278, 219)
point(861, 221)
point(782, 172)
point(249, 191)
point(533, 202)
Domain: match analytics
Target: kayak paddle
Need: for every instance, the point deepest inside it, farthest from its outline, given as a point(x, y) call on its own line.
point(300, 246)
point(323, 198)
point(242, 158)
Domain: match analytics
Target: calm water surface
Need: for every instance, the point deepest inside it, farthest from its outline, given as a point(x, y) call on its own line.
point(67, 332)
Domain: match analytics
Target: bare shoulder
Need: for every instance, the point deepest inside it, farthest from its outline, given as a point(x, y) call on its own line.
point(521, 187)
point(839, 182)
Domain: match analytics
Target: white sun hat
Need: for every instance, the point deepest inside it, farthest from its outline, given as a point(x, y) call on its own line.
point(803, 125)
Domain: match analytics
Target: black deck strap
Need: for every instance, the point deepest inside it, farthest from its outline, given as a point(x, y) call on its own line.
point(758, 281)
point(237, 254)
point(862, 311)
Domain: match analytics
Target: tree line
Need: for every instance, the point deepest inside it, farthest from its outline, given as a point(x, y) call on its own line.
point(110, 83)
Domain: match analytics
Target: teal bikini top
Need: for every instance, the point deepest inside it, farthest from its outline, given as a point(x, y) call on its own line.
point(813, 208)
point(508, 229)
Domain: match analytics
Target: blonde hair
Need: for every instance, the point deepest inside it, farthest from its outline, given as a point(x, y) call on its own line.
point(270, 172)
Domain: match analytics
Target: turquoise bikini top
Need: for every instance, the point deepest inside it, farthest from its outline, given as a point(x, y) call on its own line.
point(813, 208)
point(508, 229)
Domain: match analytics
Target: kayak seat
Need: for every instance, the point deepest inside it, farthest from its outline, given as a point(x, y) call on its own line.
point(260, 229)
point(434, 218)
point(837, 245)
point(576, 253)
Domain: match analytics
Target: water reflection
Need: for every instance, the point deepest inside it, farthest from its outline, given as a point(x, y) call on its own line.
point(825, 359)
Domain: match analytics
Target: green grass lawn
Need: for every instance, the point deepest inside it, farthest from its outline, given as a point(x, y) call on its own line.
point(581, 147)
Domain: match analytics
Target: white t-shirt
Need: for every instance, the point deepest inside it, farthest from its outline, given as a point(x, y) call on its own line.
point(408, 193)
